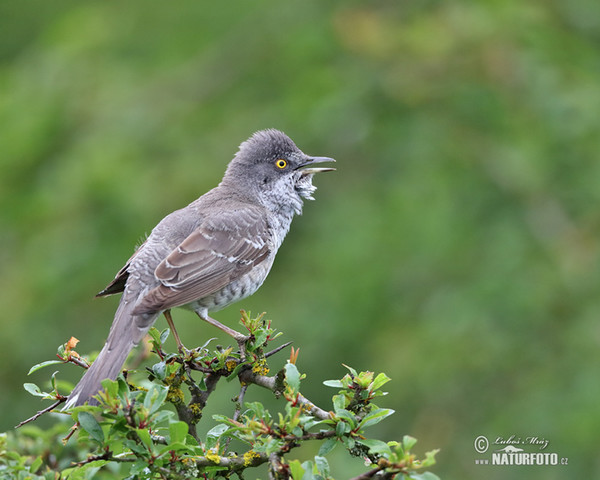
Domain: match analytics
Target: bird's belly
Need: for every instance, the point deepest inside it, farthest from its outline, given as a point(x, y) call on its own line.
point(237, 290)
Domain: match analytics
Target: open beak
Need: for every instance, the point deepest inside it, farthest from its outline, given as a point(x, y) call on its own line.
point(312, 170)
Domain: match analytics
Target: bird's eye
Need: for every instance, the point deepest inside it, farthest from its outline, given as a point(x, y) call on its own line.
point(281, 163)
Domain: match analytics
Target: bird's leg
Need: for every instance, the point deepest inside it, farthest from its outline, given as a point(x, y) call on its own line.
point(180, 347)
point(240, 338)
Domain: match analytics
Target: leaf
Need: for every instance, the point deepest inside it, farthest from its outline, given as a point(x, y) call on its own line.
point(348, 416)
point(35, 390)
point(53, 382)
point(333, 383)
point(296, 469)
point(352, 371)
point(178, 432)
point(159, 370)
point(375, 417)
point(376, 446)
point(327, 446)
point(123, 389)
point(260, 338)
point(339, 402)
point(379, 381)
point(292, 377)
point(42, 365)
point(322, 465)
point(430, 458)
point(408, 442)
point(155, 396)
point(35, 466)
point(214, 434)
point(91, 426)
point(163, 415)
point(164, 335)
point(111, 387)
point(138, 466)
point(154, 334)
point(424, 476)
point(145, 437)
point(341, 428)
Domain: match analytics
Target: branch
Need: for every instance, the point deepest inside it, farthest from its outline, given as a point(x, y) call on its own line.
point(41, 412)
point(270, 383)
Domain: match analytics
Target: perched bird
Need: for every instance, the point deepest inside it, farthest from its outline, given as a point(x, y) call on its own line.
point(210, 254)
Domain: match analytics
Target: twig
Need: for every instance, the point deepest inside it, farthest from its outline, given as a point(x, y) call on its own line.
point(239, 401)
point(41, 412)
point(369, 474)
point(76, 360)
point(270, 383)
point(278, 349)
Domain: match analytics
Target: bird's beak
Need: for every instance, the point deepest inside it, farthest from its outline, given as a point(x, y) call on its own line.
point(313, 170)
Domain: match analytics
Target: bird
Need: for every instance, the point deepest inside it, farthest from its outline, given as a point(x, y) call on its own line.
point(214, 252)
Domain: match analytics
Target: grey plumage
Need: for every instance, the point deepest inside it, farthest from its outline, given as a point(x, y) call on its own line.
point(214, 252)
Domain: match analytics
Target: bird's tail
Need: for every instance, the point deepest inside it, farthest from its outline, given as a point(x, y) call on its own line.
point(125, 333)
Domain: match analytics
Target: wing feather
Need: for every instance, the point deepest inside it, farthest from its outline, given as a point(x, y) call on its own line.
point(215, 254)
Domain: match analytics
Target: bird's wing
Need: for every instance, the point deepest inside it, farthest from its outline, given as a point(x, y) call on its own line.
point(118, 284)
point(212, 256)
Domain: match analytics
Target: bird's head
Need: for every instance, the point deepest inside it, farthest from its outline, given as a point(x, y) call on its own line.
point(270, 165)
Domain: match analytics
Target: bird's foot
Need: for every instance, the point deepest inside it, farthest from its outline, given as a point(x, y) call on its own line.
point(242, 340)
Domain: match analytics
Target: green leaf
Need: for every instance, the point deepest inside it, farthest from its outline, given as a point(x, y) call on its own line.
point(296, 469)
point(292, 377)
point(35, 390)
point(260, 337)
point(138, 467)
point(176, 447)
point(163, 415)
point(154, 334)
point(352, 371)
point(155, 396)
point(35, 466)
point(159, 370)
point(308, 471)
point(339, 403)
point(322, 465)
point(348, 416)
point(327, 446)
point(376, 446)
point(42, 365)
point(424, 476)
point(178, 431)
point(164, 335)
point(348, 442)
point(91, 426)
point(375, 417)
point(333, 383)
point(379, 381)
point(53, 382)
point(341, 428)
point(430, 458)
point(135, 447)
point(408, 442)
point(145, 437)
point(214, 434)
point(111, 387)
point(123, 389)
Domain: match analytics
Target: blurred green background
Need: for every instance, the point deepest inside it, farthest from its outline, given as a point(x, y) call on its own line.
point(456, 247)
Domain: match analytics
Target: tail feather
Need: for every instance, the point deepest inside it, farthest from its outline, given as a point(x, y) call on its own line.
point(126, 332)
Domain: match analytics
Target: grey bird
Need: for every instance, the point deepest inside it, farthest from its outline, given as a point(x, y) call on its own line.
point(210, 254)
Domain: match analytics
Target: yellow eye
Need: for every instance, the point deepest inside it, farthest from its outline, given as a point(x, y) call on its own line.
point(281, 163)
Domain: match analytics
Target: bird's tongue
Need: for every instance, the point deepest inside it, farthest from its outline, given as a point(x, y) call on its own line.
point(313, 170)
point(308, 169)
